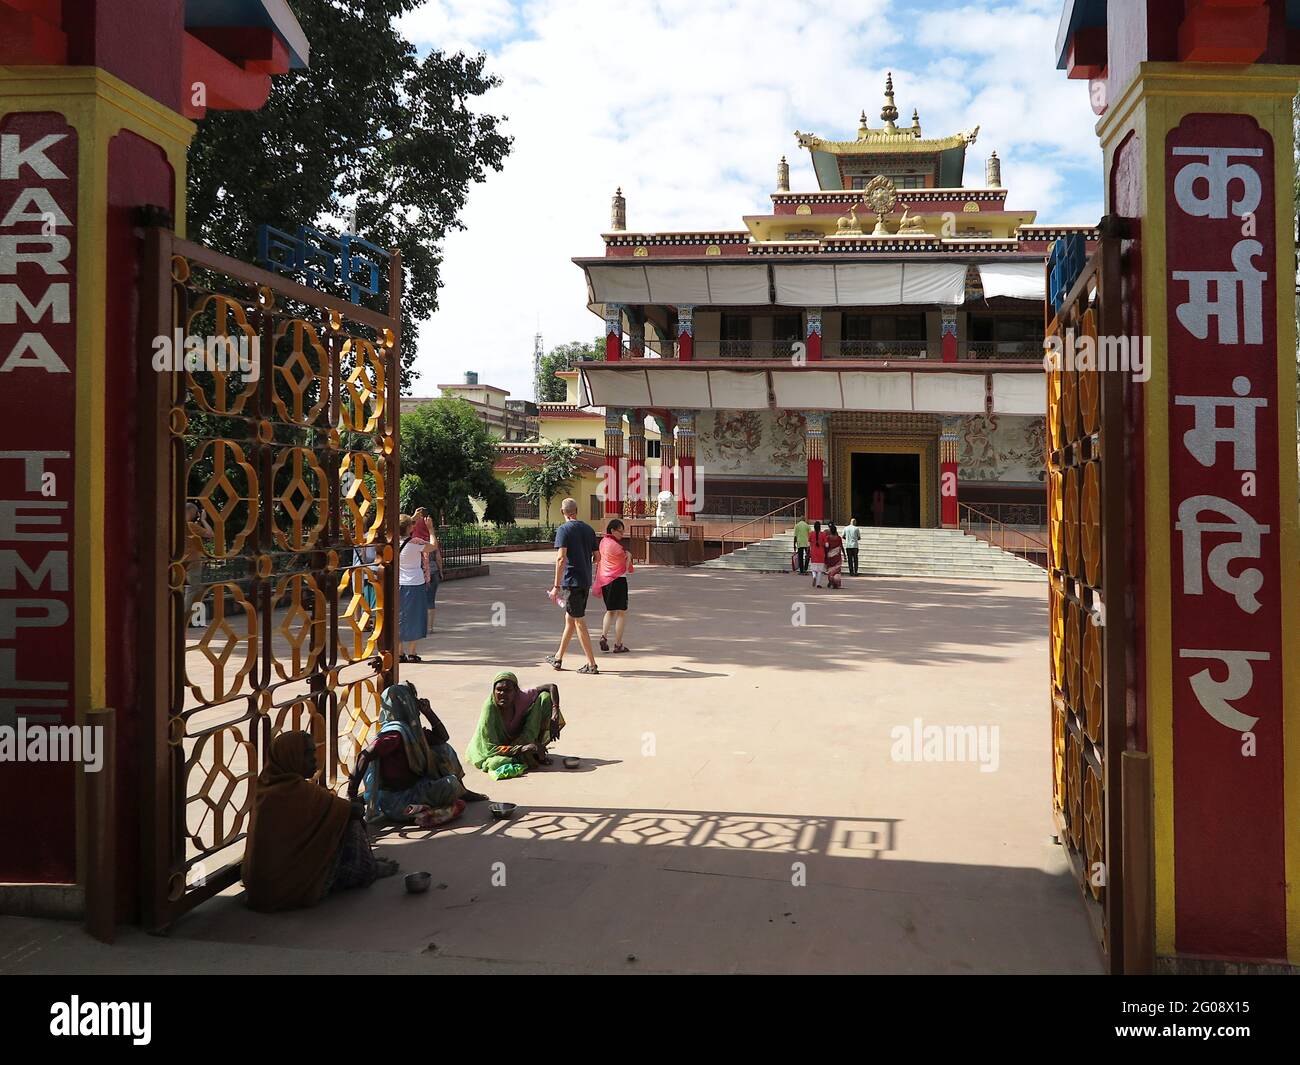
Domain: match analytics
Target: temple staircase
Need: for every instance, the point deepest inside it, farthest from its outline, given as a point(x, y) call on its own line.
point(939, 553)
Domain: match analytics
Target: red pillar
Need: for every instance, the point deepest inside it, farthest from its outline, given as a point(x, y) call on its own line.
point(948, 331)
point(613, 332)
point(813, 335)
point(688, 488)
point(637, 489)
point(948, 508)
point(815, 449)
point(667, 453)
point(685, 334)
point(612, 472)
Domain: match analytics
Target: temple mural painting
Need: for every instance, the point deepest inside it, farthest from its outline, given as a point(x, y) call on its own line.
point(754, 443)
point(1002, 447)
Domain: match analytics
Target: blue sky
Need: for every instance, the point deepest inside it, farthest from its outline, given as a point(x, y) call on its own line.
point(688, 105)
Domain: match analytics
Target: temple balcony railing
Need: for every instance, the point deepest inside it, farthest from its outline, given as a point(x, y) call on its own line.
point(866, 350)
point(1001, 350)
point(877, 349)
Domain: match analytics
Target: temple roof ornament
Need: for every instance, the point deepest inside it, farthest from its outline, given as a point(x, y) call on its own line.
point(889, 113)
point(888, 140)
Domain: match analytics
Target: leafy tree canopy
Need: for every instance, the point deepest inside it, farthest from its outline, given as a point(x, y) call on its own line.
point(555, 474)
point(449, 449)
point(370, 124)
point(565, 357)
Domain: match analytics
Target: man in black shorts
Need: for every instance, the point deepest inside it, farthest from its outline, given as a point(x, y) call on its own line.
point(576, 543)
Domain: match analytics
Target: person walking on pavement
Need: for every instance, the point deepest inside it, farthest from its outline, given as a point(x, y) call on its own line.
point(575, 543)
point(851, 536)
point(801, 545)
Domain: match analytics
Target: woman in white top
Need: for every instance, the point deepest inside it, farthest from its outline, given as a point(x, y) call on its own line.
point(413, 618)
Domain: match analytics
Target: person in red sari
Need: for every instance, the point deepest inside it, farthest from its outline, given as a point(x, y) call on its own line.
point(833, 543)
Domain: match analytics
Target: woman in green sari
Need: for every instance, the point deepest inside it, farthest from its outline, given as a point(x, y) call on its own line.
point(515, 728)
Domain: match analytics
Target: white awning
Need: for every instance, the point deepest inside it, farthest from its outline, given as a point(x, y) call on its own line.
point(730, 285)
point(1020, 393)
point(948, 393)
point(876, 391)
point(811, 391)
point(738, 389)
point(1022, 281)
point(869, 284)
point(656, 384)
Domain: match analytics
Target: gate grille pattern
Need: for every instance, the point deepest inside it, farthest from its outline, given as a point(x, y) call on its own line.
point(279, 613)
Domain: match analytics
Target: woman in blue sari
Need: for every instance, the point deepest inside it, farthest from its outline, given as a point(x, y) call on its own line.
point(412, 773)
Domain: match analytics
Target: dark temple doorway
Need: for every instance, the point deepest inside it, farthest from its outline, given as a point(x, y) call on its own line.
point(886, 489)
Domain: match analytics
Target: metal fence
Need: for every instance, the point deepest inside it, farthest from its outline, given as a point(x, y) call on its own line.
point(462, 546)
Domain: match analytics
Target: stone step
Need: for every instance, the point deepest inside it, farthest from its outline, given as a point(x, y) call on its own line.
point(940, 553)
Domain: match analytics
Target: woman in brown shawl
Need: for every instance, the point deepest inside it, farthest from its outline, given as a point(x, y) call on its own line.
point(303, 840)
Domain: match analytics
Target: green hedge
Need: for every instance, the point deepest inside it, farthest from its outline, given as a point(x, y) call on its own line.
point(496, 536)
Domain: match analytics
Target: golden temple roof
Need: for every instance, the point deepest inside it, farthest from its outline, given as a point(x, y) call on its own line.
point(889, 138)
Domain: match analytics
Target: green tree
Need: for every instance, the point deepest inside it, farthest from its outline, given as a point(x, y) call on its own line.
point(370, 124)
point(565, 357)
point(412, 493)
point(555, 474)
point(447, 446)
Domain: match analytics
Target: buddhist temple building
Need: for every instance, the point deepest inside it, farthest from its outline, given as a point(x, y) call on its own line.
point(872, 348)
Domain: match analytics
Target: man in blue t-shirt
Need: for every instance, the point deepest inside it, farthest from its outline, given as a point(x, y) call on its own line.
point(576, 543)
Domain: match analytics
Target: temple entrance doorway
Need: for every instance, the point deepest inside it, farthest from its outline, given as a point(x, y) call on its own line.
point(886, 489)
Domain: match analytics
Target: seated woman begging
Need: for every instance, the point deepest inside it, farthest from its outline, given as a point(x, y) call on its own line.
point(412, 773)
point(515, 728)
point(303, 841)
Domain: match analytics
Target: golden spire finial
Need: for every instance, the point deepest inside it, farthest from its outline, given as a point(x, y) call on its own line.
point(862, 125)
point(889, 113)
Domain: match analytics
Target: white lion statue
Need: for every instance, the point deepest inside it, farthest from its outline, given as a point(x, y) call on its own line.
point(666, 512)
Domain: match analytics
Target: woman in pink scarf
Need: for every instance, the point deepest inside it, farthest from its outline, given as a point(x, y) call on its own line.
point(613, 564)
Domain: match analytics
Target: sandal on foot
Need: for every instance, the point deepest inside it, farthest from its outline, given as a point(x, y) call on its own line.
point(604, 643)
point(553, 662)
point(620, 649)
point(589, 668)
point(403, 658)
point(385, 867)
point(414, 658)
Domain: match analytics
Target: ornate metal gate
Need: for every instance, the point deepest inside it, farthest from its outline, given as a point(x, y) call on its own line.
point(1088, 580)
point(269, 612)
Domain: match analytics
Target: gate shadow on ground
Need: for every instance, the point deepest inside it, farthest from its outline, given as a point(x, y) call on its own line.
point(686, 891)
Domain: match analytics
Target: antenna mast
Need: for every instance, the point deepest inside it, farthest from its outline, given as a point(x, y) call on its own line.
point(537, 367)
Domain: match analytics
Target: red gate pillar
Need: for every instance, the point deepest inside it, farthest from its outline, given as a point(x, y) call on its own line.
point(948, 442)
point(1197, 136)
point(815, 451)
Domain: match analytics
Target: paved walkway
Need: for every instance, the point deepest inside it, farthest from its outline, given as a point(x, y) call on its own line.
point(738, 808)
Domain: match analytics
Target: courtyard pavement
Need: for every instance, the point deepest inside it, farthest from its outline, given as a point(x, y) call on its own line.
point(738, 809)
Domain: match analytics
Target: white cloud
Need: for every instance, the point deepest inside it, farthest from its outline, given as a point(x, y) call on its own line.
point(688, 104)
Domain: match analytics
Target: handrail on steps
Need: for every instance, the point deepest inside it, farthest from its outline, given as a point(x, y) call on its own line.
point(795, 505)
point(1038, 554)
